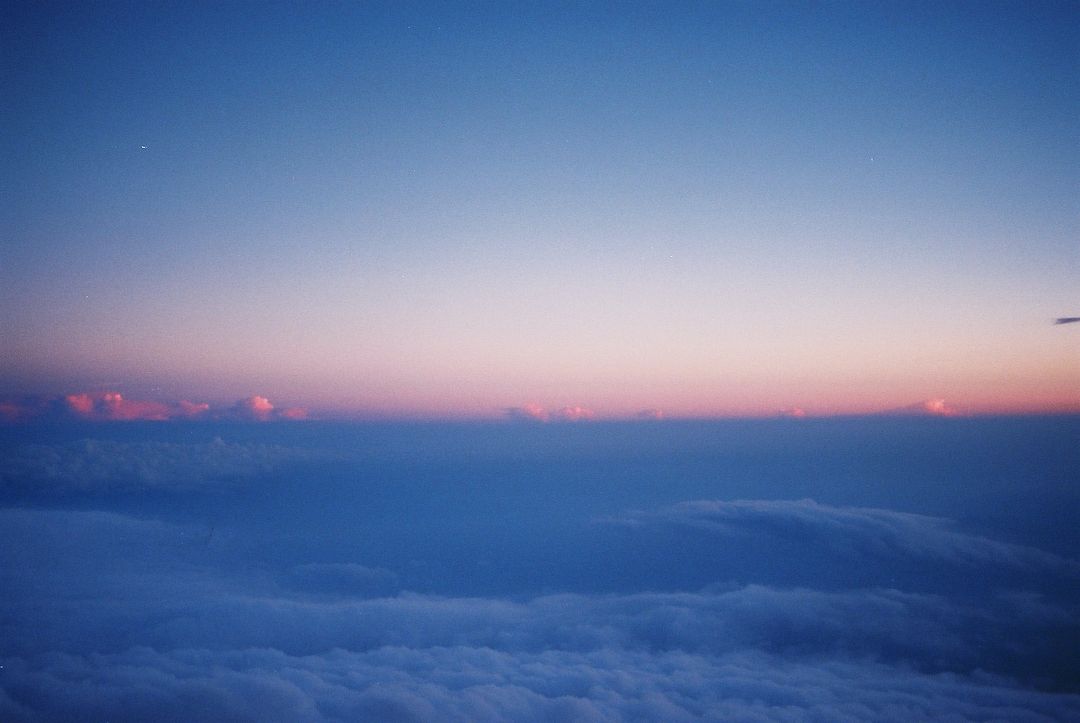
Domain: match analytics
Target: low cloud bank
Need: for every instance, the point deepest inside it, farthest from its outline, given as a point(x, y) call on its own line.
point(115, 407)
point(859, 533)
point(537, 413)
point(480, 684)
point(112, 616)
point(103, 465)
point(501, 572)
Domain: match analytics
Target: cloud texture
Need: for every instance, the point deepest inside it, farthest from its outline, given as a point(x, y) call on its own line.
point(112, 406)
point(307, 592)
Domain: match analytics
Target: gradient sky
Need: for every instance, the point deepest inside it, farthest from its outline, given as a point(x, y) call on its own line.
point(449, 209)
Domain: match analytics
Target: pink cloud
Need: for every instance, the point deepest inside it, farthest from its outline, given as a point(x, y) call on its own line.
point(109, 406)
point(11, 412)
point(529, 413)
point(929, 408)
point(537, 413)
point(81, 404)
point(574, 414)
point(113, 406)
point(793, 412)
point(293, 413)
point(255, 407)
point(938, 407)
point(261, 409)
point(192, 409)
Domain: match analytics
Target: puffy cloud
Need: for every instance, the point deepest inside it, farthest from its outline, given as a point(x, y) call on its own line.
point(255, 407)
point(192, 409)
point(98, 407)
point(537, 413)
point(307, 593)
point(81, 404)
point(102, 596)
point(856, 534)
point(467, 684)
point(261, 409)
point(574, 414)
point(936, 407)
point(116, 407)
point(112, 406)
point(526, 413)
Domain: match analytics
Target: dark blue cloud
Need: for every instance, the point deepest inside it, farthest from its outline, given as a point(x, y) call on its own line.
point(270, 581)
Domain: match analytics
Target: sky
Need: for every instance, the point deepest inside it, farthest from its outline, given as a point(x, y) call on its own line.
point(457, 209)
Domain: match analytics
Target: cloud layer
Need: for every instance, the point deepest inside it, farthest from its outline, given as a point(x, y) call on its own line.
point(113, 406)
point(319, 588)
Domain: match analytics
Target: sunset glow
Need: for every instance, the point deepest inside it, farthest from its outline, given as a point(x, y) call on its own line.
point(670, 218)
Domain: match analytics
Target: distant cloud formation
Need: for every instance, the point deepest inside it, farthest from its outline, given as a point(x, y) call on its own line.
point(112, 406)
point(537, 413)
point(866, 536)
point(261, 409)
point(574, 414)
point(12, 412)
point(526, 413)
point(936, 407)
point(96, 466)
point(193, 409)
point(255, 407)
point(293, 413)
point(793, 412)
point(1067, 320)
point(653, 414)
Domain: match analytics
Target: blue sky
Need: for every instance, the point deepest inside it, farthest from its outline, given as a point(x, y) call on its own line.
point(448, 209)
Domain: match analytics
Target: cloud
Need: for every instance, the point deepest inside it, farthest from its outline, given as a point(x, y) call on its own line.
point(113, 406)
point(349, 579)
point(454, 573)
point(11, 411)
point(255, 407)
point(101, 465)
point(467, 684)
point(793, 412)
point(261, 409)
point(142, 620)
point(928, 408)
point(192, 409)
point(526, 413)
point(537, 413)
point(1067, 320)
point(858, 534)
point(655, 414)
point(82, 404)
point(107, 406)
point(574, 414)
